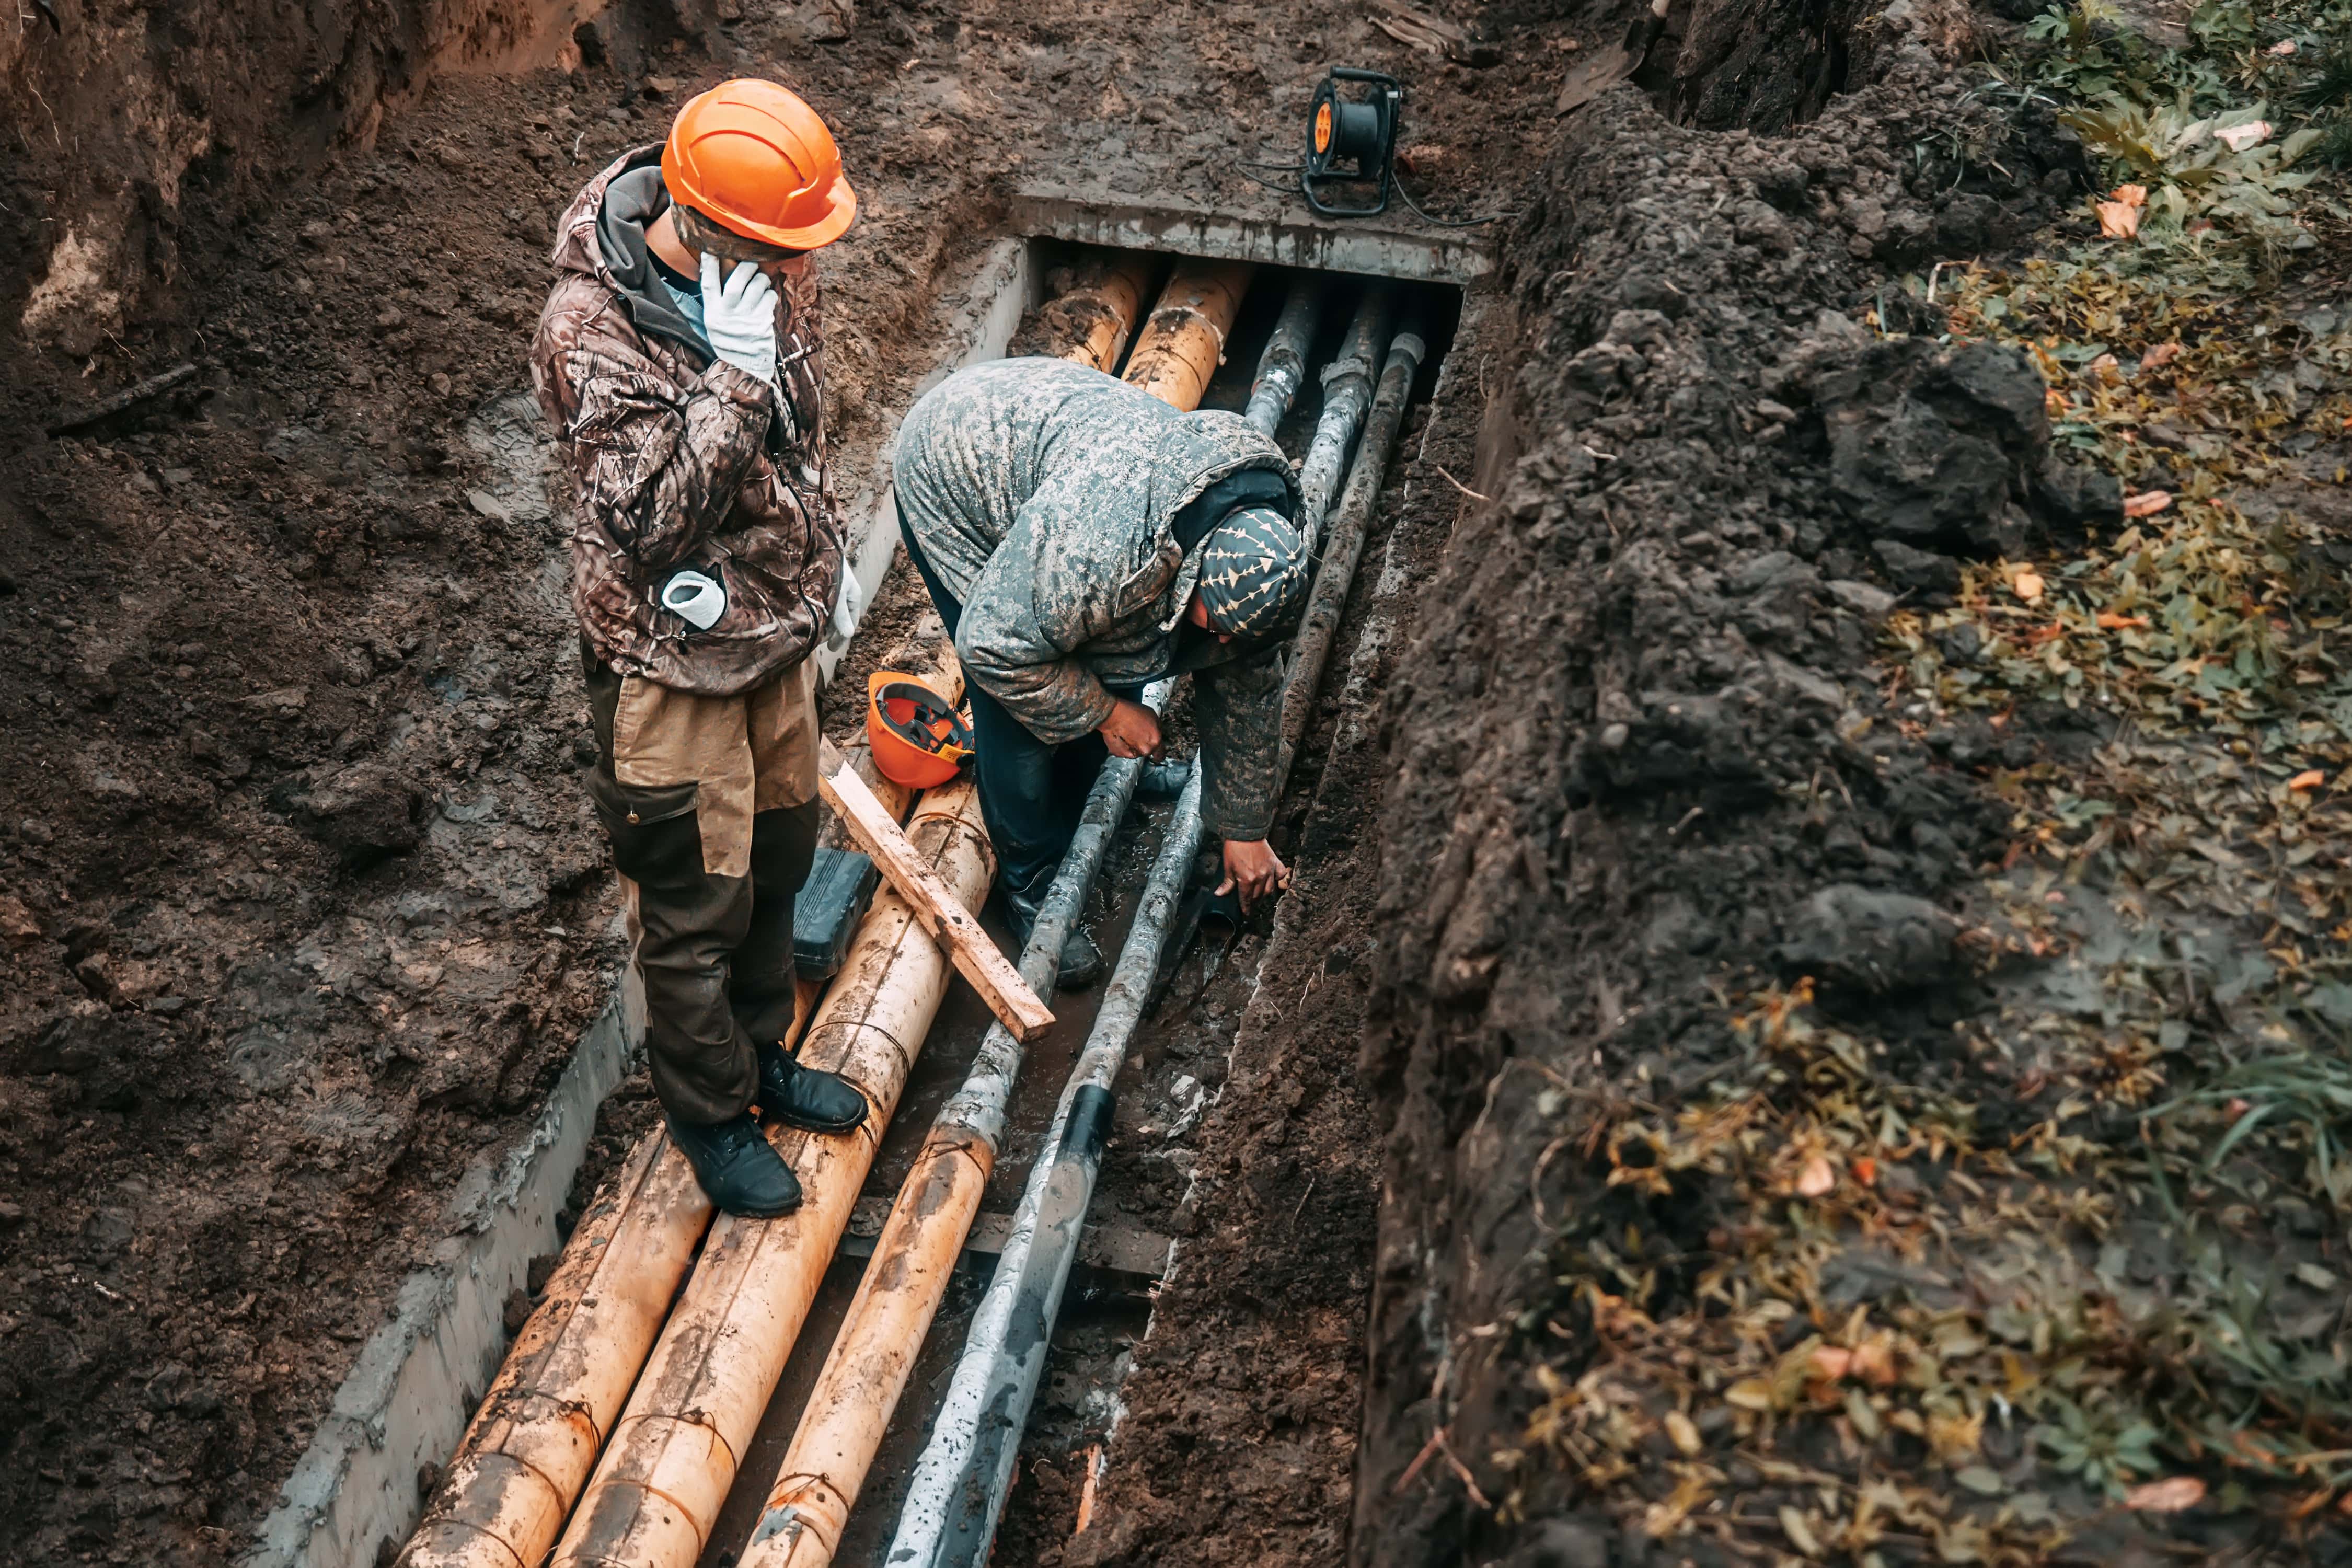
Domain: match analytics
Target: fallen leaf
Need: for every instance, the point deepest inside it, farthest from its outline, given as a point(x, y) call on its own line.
point(2027, 584)
point(1816, 1178)
point(1865, 1171)
point(1830, 1363)
point(1684, 1433)
point(2130, 195)
point(2238, 138)
point(2168, 1496)
point(2313, 1275)
point(2111, 622)
point(2310, 778)
point(1954, 1438)
point(1793, 1525)
point(1873, 1360)
point(2146, 503)
point(1749, 1394)
point(1981, 1479)
point(2161, 355)
point(2285, 46)
point(2117, 220)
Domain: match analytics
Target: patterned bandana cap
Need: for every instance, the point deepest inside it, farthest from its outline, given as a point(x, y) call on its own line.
point(1253, 577)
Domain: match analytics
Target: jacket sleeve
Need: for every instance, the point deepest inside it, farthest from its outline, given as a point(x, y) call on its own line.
point(1031, 608)
point(1237, 711)
point(661, 465)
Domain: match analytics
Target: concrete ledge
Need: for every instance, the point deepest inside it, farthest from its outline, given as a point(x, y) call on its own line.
point(1379, 247)
point(405, 1402)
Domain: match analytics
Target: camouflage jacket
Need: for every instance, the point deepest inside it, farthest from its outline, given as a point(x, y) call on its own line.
point(1043, 494)
point(682, 461)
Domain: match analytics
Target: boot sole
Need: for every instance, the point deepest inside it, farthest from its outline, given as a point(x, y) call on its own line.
point(810, 1125)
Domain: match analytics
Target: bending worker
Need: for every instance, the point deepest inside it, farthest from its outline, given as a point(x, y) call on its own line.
point(1081, 538)
point(679, 359)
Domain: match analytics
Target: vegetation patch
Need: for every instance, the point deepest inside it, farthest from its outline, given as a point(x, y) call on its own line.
point(2034, 1264)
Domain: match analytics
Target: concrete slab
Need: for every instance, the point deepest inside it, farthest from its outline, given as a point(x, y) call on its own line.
point(1384, 247)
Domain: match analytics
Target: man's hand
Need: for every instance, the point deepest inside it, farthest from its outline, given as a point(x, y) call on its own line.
point(739, 317)
point(1254, 869)
point(1131, 731)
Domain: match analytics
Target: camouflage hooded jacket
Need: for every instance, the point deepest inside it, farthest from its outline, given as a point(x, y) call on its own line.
point(682, 461)
point(1045, 495)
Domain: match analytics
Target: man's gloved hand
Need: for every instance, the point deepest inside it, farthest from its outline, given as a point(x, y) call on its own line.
point(739, 317)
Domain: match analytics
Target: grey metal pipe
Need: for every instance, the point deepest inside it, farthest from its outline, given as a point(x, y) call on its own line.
point(957, 1491)
point(1343, 544)
point(1347, 383)
point(1034, 1268)
point(1283, 367)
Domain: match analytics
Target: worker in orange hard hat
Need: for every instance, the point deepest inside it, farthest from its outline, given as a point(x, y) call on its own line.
point(679, 359)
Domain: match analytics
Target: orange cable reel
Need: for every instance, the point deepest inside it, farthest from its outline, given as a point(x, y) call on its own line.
point(918, 738)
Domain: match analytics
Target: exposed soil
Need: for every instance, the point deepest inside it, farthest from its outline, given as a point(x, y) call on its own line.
point(300, 905)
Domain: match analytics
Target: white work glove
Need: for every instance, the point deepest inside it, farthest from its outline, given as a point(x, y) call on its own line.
point(739, 317)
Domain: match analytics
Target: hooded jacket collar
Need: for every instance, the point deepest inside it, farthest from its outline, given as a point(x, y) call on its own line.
point(603, 235)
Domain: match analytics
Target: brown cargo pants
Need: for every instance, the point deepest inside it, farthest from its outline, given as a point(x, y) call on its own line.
point(711, 804)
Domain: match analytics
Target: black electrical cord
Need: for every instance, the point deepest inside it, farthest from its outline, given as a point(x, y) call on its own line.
point(1244, 165)
point(1447, 222)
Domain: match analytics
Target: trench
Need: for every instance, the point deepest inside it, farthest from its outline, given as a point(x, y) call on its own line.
point(354, 1496)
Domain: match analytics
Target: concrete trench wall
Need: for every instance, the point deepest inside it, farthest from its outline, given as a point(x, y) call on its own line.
point(406, 1400)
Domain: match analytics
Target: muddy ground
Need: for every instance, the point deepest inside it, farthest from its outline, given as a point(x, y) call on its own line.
point(301, 905)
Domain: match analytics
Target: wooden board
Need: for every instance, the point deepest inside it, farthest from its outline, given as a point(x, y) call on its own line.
point(942, 913)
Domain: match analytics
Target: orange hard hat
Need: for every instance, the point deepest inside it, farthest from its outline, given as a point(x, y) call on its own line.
point(756, 161)
point(918, 738)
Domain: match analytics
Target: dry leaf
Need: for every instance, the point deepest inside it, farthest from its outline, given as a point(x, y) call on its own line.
point(2027, 584)
point(2146, 503)
point(1793, 1526)
point(2168, 1496)
point(1830, 1363)
point(1866, 1170)
point(2111, 622)
point(2118, 220)
point(1817, 1177)
point(2238, 138)
point(1684, 1433)
point(1874, 1360)
point(2161, 355)
point(2310, 778)
point(1954, 1438)
point(2130, 195)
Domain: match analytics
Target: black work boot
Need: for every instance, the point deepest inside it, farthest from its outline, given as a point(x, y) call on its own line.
point(806, 1096)
point(1082, 960)
point(738, 1170)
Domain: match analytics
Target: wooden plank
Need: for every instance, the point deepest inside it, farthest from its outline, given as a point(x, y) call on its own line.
point(1141, 1256)
point(938, 910)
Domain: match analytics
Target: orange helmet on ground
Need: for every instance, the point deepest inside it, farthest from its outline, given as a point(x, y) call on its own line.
point(918, 738)
point(755, 159)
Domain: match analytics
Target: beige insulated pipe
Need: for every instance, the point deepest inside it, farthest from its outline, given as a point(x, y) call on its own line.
point(1097, 316)
point(527, 1451)
point(1184, 341)
point(674, 1450)
point(874, 1353)
point(521, 1465)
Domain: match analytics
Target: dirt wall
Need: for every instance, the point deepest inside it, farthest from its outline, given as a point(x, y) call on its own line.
point(1635, 739)
point(121, 115)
